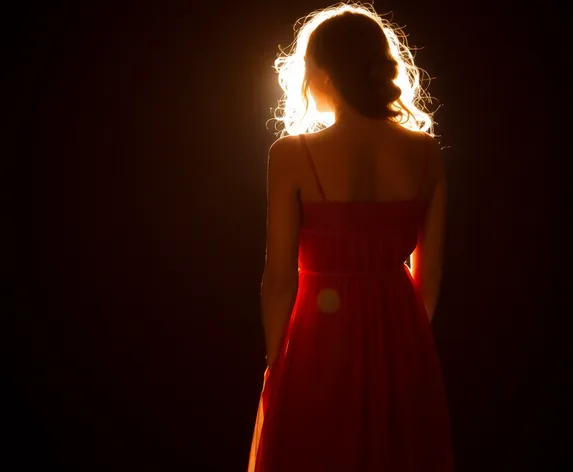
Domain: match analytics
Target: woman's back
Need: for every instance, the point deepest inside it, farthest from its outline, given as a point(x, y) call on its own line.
point(377, 162)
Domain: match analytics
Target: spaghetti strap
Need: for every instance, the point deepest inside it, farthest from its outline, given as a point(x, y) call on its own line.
point(311, 163)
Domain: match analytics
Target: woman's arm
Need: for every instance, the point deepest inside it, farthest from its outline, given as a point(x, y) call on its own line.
point(280, 278)
point(427, 258)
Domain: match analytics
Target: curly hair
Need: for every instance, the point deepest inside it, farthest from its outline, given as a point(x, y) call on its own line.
point(368, 61)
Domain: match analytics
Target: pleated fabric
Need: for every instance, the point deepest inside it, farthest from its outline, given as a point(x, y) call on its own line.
point(357, 385)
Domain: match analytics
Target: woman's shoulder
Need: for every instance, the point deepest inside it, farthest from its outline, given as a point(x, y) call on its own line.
point(285, 153)
point(285, 144)
point(421, 143)
point(411, 135)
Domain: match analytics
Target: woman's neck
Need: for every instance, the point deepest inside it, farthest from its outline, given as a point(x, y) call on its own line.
point(349, 119)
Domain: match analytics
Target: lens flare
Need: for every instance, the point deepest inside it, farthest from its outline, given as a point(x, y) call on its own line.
point(298, 114)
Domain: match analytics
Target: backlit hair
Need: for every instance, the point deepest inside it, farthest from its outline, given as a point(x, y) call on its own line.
point(406, 100)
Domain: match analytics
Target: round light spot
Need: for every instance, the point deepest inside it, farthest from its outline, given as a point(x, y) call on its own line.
point(328, 300)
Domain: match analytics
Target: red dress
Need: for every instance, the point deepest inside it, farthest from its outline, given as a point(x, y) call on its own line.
point(357, 386)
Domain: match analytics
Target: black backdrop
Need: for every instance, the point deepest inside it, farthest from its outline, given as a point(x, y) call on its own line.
point(141, 131)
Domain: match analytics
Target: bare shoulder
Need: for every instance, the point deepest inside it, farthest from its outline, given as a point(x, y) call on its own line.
point(419, 137)
point(432, 143)
point(283, 155)
point(433, 151)
point(284, 147)
point(435, 165)
point(426, 146)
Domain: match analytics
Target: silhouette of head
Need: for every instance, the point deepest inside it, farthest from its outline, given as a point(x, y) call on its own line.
point(348, 56)
point(348, 59)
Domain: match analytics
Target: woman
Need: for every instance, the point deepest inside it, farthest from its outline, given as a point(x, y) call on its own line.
point(355, 187)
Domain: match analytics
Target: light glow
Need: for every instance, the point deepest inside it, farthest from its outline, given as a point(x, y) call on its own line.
point(298, 118)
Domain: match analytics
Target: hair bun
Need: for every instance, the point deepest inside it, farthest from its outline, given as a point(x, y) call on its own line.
point(381, 80)
point(383, 68)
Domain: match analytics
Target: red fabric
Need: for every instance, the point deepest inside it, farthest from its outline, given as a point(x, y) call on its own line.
point(357, 386)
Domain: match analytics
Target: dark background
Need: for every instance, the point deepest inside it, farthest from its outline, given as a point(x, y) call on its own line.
point(141, 132)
